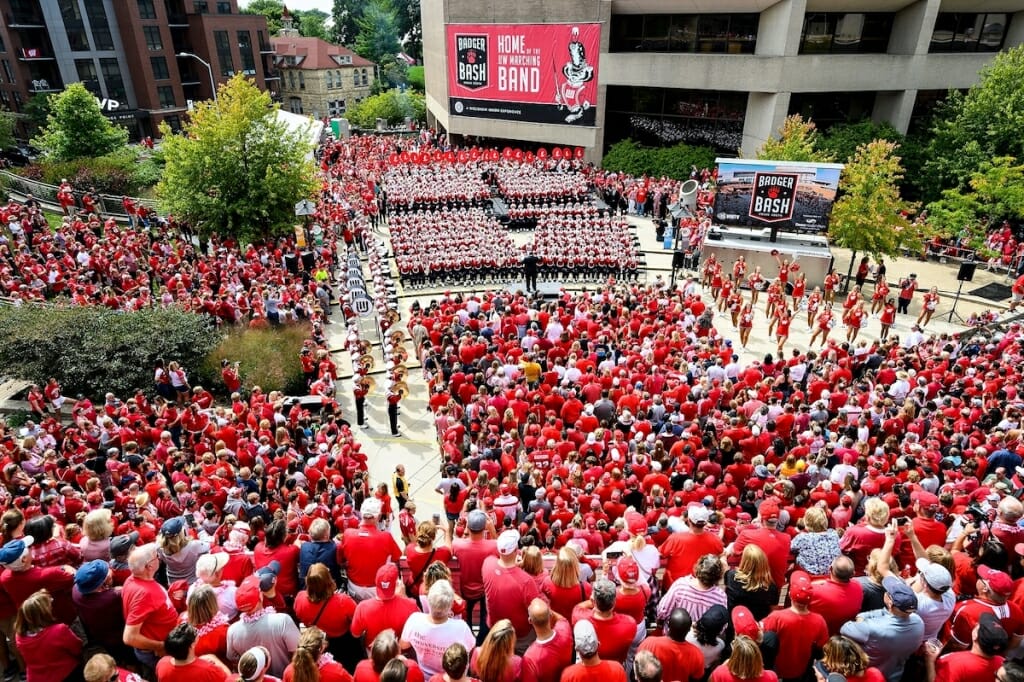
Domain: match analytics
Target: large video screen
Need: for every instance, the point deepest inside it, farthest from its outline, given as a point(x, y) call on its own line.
point(539, 73)
point(779, 194)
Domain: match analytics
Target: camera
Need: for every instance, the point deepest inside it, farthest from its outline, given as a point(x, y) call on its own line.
point(976, 514)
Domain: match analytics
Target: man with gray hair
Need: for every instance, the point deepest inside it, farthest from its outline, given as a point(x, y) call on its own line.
point(647, 667)
point(365, 549)
point(430, 634)
point(148, 613)
point(616, 631)
point(591, 667)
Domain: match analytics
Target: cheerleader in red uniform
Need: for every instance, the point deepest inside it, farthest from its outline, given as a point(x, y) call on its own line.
point(746, 323)
point(928, 306)
point(888, 317)
point(825, 322)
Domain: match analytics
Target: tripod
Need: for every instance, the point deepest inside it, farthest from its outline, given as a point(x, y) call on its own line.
point(953, 311)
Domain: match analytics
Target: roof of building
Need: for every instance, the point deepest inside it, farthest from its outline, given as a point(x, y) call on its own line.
point(315, 54)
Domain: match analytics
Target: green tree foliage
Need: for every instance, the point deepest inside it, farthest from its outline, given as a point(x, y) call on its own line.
point(995, 192)
point(346, 14)
point(416, 78)
point(37, 111)
point(76, 127)
point(236, 168)
point(93, 350)
point(313, 24)
point(271, 9)
point(798, 141)
point(983, 124)
point(392, 105)
point(410, 27)
point(269, 359)
point(673, 162)
point(310, 23)
point(842, 140)
point(869, 215)
point(7, 123)
point(378, 38)
point(125, 171)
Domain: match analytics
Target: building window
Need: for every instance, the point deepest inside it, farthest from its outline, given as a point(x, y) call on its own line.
point(663, 117)
point(329, 79)
point(173, 122)
point(97, 14)
point(111, 72)
point(165, 93)
point(3, 48)
point(355, 77)
point(146, 9)
point(295, 105)
point(245, 50)
point(291, 80)
point(154, 43)
point(8, 72)
point(160, 71)
point(86, 69)
point(845, 33)
point(337, 79)
point(264, 45)
point(302, 80)
point(227, 64)
point(711, 33)
point(74, 26)
point(201, 7)
point(365, 81)
point(961, 32)
point(336, 107)
point(828, 109)
point(18, 101)
point(223, 7)
point(5, 98)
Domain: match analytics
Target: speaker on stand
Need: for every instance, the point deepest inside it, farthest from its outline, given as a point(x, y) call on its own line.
point(965, 274)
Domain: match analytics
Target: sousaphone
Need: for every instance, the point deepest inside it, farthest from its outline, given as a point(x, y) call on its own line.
point(400, 373)
point(401, 388)
point(366, 361)
point(368, 383)
point(397, 337)
point(399, 355)
point(392, 316)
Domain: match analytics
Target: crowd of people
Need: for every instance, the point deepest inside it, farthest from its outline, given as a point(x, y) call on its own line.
point(622, 499)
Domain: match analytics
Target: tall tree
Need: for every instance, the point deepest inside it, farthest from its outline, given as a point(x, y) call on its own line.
point(378, 38)
point(76, 128)
point(236, 168)
point(798, 141)
point(995, 192)
point(983, 124)
point(313, 24)
point(842, 140)
point(346, 14)
point(410, 27)
point(8, 121)
point(870, 216)
point(271, 9)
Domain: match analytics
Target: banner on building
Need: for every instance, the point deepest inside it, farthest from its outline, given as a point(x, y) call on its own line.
point(782, 195)
point(538, 73)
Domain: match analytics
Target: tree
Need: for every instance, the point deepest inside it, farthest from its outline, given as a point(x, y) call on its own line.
point(313, 24)
point(995, 192)
point(410, 27)
point(797, 141)
point(237, 168)
point(983, 124)
point(626, 156)
point(378, 33)
point(842, 140)
point(346, 14)
point(271, 9)
point(8, 121)
point(37, 111)
point(391, 105)
point(870, 215)
point(76, 128)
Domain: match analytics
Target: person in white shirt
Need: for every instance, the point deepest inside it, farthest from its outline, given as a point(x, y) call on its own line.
point(430, 634)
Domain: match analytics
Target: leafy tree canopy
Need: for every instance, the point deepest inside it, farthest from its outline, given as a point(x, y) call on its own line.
point(76, 128)
point(995, 192)
point(391, 105)
point(310, 23)
point(7, 124)
point(378, 38)
point(416, 79)
point(842, 140)
point(236, 168)
point(631, 158)
point(798, 141)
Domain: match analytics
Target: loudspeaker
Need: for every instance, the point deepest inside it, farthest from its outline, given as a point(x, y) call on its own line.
point(308, 260)
point(291, 263)
point(966, 273)
point(678, 260)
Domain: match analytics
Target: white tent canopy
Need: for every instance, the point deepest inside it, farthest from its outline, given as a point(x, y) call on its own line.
point(311, 128)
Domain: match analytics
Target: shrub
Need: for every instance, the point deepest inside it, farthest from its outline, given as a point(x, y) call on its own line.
point(674, 162)
point(392, 106)
point(94, 350)
point(416, 78)
point(269, 357)
point(121, 172)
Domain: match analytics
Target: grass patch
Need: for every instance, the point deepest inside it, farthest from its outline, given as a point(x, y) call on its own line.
point(269, 357)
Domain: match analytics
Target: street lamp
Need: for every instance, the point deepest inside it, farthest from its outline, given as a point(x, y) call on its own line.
point(213, 83)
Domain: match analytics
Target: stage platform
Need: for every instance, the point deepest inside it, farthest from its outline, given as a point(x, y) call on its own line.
point(545, 289)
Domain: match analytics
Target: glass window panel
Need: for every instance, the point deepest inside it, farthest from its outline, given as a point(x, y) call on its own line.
point(111, 72)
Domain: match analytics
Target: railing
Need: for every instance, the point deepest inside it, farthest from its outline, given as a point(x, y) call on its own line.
point(107, 204)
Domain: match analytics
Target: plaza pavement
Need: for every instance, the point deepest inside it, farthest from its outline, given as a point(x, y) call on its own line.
point(417, 447)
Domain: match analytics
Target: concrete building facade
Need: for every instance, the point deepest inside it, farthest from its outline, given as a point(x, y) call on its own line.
point(726, 73)
point(318, 78)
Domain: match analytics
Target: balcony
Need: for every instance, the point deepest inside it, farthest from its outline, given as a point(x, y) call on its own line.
point(34, 54)
point(43, 85)
point(24, 20)
point(266, 48)
point(190, 79)
point(177, 20)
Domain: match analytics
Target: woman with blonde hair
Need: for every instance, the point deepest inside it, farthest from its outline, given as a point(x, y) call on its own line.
point(211, 624)
point(50, 649)
point(423, 552)
point(817, 546)
point(312, 663)
point(178, 551)
point(436, 572)
point(744, 665)
point(98, 527)
point(495, 659)
point(564, 588)
point(844, 656)
point(750, 584)
point(532, 562)
point(859, 541)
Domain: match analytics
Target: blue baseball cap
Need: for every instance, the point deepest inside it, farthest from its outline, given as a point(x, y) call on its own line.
point(173, 526)
point(91, 575)
point(14, 550)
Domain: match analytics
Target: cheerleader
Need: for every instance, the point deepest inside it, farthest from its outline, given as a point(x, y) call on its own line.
point(813, 304)
point(854, 319)
point(888, 317)
point(785, 318)
point(928, 306)
point(799, 287)
point(879, 296)
point(825, 322)
point(756, 283)
point(746, 323)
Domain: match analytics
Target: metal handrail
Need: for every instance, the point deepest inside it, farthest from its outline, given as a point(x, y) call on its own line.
point(108, 204)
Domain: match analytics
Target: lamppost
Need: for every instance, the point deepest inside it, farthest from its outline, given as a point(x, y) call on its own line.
point(213, 83)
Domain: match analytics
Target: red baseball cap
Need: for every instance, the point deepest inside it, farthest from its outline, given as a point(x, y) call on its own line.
point(386, 581)
point(743, 623)
point(998, 581)
point(800, 589)
point(769, 509)
point(629, 570)
point(925, 498)
point(248, 596)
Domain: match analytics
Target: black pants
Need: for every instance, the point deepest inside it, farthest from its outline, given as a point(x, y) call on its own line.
point(471, 604)
point(531, 280)
point(902, 304)
point(360, 411)
point(393, 418)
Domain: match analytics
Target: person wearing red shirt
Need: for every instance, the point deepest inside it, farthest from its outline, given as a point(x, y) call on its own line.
point(616, 631)
point(563, 588)
point(275, 548)
point(994, 589)
point(590, 668)
point(22, 579)
point(322, 606)
point(679, 659)
point(508, 589)
point(682, 549)
point(471, 553)
point(927, 530)
point(802, 634)
point(148, 613)
point(774, 543)
point(551, 651)
point(981, 662)
point(838, 598)
point(311, 655)
point(50, 649)
point(744, 665)
point(422, 553)
point(181, 663)
point(388, 610)
point(365, 549)
point(383, 650)
point(858, 541)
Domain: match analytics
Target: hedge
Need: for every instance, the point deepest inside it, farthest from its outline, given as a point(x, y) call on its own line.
point(95, 350)
point(269, 359)
point(674, 162)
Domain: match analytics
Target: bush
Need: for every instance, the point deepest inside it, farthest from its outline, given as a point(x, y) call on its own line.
point(416, 78)
point(392, 106)
point(674, 162)
point(121, 172)
point(269, 357)
point(94, 350)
